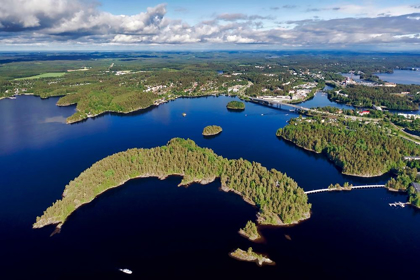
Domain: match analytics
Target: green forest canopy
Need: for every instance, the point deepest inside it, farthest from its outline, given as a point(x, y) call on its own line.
point(236, 105)
point(358, 149)
point(390, 97)
point(212, 130)
point(277, 196)
point(250, 230)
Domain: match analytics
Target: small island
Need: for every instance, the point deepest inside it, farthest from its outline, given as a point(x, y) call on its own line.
point(236, 105)
point(212, 130)
point(250, 231)
point(337, 187)
point(251, 256)
point(278, 197)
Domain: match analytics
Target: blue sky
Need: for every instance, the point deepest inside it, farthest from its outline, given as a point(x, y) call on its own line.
point(217, 24)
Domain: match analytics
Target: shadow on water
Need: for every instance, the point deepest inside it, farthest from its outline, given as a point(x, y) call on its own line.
point(164, 226)
point(131, 114)
point(236, 110)
point(212, 136)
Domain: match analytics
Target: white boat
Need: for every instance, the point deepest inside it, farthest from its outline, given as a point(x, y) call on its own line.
point(126, 270)
point(12, 97)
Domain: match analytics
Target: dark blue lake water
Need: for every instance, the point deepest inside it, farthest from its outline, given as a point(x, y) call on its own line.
point(159, 230)
point(406, 77)
point(401, 77)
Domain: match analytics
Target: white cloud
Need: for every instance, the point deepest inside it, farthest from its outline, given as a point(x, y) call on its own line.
point(374, 11)
point(76, 22)
point(239, 39)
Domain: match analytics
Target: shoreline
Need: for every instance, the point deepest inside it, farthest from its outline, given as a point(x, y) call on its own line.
point(259, 239)
point(412, 205)
point(246, 256)
point(329, 159)
point(105, 112)
point(358, 106)
point(212, 134)
point(60, 224)
point(306, 216)
point(280, 222)
point(155, 104)
point(203, 181)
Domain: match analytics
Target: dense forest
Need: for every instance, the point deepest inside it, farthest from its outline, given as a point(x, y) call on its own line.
point(405, 176)
point(133, 91)
point(389, 97)
point(413, 197)
point(403, 182)
point(125, 82)
point(411, 124)
point(360, 149)
point(250, 231)
point(235, 105)
point(212, 130)
point(278, 197)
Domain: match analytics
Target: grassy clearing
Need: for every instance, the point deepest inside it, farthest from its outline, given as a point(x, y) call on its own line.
point(44, 75)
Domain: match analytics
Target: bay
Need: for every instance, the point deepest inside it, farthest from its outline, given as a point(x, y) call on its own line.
point(159, 230)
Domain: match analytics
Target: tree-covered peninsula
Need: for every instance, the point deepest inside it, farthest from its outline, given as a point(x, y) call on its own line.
point(358, 148)
point(389, 97)
point(278, 197)
point(235, 105)
point(212, 130)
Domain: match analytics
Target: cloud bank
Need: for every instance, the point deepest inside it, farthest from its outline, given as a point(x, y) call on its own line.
point(33, 22)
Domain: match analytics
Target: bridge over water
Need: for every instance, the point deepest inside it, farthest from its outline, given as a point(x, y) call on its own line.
point(352, 188)
point(280, 103)
point(277, 102)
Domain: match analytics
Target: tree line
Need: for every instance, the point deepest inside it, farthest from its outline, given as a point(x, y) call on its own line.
point(277, 196)
point(357, 148)
point(390, 97)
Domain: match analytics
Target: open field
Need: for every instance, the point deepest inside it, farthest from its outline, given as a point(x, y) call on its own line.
point(44, 75)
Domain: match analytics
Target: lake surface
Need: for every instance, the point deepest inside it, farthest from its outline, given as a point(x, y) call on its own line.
point(159, 230)
point(401, 77)
point(321, 100)
point(353, 76)
point(406, 77)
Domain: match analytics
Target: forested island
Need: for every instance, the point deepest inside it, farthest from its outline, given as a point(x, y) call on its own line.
point(212, 130)
point(236, 105)
point(250, 231)
point(251, 256)
point(357, 148)
point(279, 199)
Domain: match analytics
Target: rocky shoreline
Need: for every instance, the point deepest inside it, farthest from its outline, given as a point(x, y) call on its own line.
point(212, 130)
point(250, 256)
point(160, 177)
